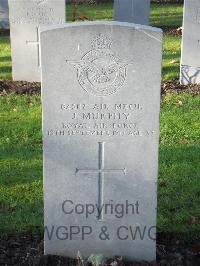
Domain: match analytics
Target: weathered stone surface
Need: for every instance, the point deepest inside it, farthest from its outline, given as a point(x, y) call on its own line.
point(134, 11)
point(4, 14)
point(190, 57)
point(101, 101)
point(25, 18)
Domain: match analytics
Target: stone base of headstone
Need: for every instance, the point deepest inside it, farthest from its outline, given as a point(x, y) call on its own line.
point(189, 75)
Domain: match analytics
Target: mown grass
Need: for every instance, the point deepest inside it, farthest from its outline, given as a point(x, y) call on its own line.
point(171, 57)
point(168, 15)
point(21, 163)
point(179, 167)
point(21, 198)
point(5, 58)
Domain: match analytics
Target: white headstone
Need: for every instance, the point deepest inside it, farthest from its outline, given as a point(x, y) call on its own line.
point(134, 11)
point(190, 57)
point(25, 18)
point(4, 14)
point(101, 102)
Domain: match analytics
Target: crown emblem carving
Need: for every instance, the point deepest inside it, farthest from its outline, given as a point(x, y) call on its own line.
point(101, 41)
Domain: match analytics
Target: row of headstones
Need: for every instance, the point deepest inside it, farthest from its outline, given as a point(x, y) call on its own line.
point(27, 15)
point(25, 23)
point(135, 11)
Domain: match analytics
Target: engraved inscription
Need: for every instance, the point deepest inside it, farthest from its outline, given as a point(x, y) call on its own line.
point(39, 14)
point(100, 71)
point(103, 120)
point(101, 171)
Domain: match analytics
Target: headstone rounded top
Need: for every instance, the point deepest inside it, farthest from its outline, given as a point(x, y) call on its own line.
point(99, 23)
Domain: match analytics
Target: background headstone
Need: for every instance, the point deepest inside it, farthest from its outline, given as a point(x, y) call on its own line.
point(190, 55)
point(101, 101)
point(135, 11)
point(25, 18)
point(4, 14)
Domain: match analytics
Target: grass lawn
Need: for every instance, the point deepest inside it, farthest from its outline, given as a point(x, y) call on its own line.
point(21, 198)
point(161, 15)
point(21, 163)
point(5, 58)
point(171, 57)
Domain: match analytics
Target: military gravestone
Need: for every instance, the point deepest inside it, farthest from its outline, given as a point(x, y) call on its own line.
point(135, 11)
point(25, 18)
point(101, 101)
point(4, 14)
point(190, 57)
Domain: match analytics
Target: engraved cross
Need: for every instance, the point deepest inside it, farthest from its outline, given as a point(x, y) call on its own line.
point(101, 171)
point(38, 46)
